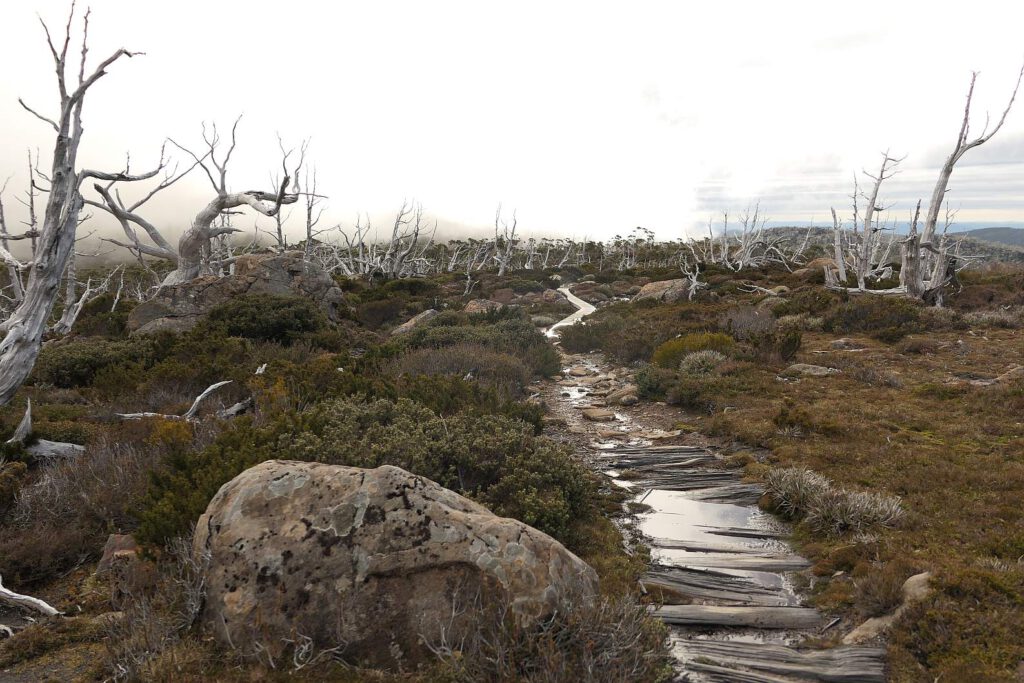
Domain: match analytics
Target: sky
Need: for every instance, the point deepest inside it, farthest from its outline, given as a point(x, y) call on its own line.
point(587, 118)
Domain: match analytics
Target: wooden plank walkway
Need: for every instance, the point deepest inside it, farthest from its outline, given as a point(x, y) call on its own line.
point(730, 581)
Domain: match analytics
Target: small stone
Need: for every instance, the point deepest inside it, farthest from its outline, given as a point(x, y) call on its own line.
point(629, 400)
point(846, 344)
point(599, 414)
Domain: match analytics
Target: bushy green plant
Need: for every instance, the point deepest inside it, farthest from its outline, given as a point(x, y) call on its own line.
point(886, 318)
point(75, 362)
point(492, 458)
point(491, 368)
point(516, 336)
point(267, 317)
point(653, 382)
point(670, 353)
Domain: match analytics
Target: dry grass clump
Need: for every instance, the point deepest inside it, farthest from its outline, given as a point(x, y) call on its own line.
point(700, 363)
point(597, 640)
point(799, 493)
point(1011, 317)
point(745, 323)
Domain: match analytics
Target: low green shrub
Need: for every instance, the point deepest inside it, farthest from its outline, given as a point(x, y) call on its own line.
point(492, 458)
point(885, 318)
point(267, 317)
point(491, 368)
point(76, 362)
point(653, 382)
point(670, 353)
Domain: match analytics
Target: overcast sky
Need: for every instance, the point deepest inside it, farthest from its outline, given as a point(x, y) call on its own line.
point(589, 118)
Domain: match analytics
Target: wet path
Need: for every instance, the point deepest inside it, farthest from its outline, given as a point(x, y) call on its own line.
point(720, 565)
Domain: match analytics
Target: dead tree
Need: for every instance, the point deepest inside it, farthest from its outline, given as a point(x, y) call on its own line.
point(926, 282)
point(193, 255)
point(23, 330)
point(504, 240)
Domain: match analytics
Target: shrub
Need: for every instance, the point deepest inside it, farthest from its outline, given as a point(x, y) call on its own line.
point(812, 301)
point(267, 317)
point(76, 362)
point(701, 363)
point(886, 318)
point(1010, 317)
point(492, 458)
point(918, 345)
point(691, 392)
point(596, 640)
point(491, 368)
point(802, 494)
point(653, 382)
point(670, 353)
point(379, 312)
point(517, 337)
point(789, 343)
point(746, 323)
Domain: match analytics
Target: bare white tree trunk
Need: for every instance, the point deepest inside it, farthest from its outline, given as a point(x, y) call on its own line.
point(25, 327)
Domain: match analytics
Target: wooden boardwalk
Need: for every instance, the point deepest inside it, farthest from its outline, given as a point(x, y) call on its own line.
point(714, 549)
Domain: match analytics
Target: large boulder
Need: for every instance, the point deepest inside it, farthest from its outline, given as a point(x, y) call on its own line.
point(179, 307)
point(668, 291)
point(381, 562)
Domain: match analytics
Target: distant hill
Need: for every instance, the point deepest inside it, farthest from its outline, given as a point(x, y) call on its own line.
point(1011, 236)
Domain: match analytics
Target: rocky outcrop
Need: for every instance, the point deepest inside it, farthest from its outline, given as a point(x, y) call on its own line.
point(381, 562)
point(179, 307)
point(477, 306)
point(627, 395)
point(414, 322)
point(668, 291)
point(915, 589)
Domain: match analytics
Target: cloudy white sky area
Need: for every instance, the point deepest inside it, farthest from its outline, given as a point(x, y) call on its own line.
point(589, 118)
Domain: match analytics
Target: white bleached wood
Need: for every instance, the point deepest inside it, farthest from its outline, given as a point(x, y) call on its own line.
point(26, 601)
point(188, 416)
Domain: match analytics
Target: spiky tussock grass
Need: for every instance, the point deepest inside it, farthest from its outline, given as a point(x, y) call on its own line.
point(801, 494)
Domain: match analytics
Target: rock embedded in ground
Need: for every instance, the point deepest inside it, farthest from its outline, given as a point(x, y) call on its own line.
point(668, 291)
point(846, 344)
point(809, 370)
point(477, 306)
point(598, 414)
point(624, 393)
point(579, 371)
point(178, 308)
point(411, 324)
point(382, 562)
point(915, 589)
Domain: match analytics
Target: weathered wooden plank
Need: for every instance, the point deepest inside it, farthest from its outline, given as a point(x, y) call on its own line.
point(741, 532)
point(720, 674)
point(733, 616)
point(711, 585)
point(733, 494)
point(766, 562)
point(842, 664)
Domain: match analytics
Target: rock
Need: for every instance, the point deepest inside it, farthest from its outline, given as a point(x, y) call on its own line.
point(414, 322)
point(780, 290)
point(579, 371)
point(809, 370)
point(619, 394)
point(629, 400)
point(611, 434)
point(1014, 372)
point(477, 306)
point(380, 561)
point(503, 296)
point(915, 589)
point(667, 291)
point(599, 415)
point(846, 344)
point(117, 546)
point(179, 307)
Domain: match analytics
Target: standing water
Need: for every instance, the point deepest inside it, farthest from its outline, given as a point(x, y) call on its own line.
point(721, 561)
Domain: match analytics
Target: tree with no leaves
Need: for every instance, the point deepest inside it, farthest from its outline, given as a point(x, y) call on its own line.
point(23, 330)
